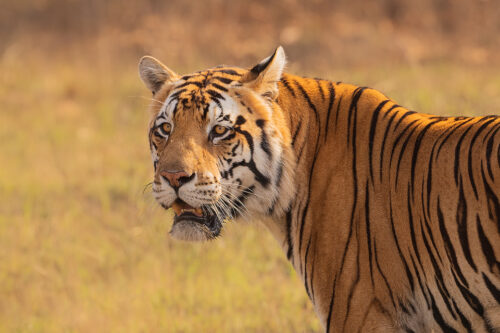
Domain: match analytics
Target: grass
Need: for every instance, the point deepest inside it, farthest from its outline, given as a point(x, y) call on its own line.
point(83, 248)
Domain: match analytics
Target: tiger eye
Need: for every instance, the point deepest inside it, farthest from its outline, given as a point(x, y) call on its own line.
point(166, 127)
point(219, 130)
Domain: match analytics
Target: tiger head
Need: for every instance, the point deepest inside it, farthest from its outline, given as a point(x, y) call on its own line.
point(220, 144)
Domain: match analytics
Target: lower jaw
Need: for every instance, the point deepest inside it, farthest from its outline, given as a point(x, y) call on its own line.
point(192, 230)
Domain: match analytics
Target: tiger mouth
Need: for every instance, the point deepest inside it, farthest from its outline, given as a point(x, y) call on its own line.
point(188, 215)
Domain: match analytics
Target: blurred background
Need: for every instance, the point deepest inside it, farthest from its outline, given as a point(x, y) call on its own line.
point(83, 247)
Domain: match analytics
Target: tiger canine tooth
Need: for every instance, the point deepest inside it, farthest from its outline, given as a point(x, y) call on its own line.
point(181, 208)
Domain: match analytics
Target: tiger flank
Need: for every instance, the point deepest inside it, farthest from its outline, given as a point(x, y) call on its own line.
point(391, 217)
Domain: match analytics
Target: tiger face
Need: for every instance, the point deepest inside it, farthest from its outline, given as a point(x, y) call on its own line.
point(217, 143)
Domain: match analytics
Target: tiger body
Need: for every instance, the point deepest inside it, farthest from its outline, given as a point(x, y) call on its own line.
point(404, 231)
point(391, 217)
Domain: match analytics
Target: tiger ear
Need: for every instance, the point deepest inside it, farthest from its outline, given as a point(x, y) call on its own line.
point(264, 77)
point(154, 74)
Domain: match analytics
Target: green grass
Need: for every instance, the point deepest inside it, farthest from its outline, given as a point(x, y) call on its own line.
point(82, 248)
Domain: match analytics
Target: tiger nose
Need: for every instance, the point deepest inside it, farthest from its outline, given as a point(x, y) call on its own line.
point(176, 178)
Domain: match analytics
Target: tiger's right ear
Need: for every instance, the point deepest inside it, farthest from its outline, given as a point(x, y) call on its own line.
point(154, 74)
point(264, 76)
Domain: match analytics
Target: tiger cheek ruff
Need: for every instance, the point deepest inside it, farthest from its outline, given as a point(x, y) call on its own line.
point(391, 217)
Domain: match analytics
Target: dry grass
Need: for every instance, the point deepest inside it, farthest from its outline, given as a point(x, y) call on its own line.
point(83, 248)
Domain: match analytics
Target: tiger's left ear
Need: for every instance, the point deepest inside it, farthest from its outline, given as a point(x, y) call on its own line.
point(154, 74)
point(264, 77)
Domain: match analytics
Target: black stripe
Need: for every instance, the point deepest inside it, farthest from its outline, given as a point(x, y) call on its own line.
point(429, 184)
point(488, 251)
point(469, 297)
point(412, 231)
point(489, 149)
point(394, 144)
point(438, 278)
point(421, 285)
point(261, 178)
point(491, 287)
point(373, 126)
point(493, 205)
point(196, 83)
point(388, 126)
point(308, 99)
point(426, 219)
point(305, 268)
point(222, 79)
point(450, 250)
point(218, 86)
point(176, 107)
point(406, 114)
point(294, 137)
point(330, 308)
point(457, 152)
point(205, 111)
point(389, 288)
point(214, 94)
point(452, 130)
point(320, 89)
point(462, 219)
point(264, 144)
point(227, 71)
point(389, 111)
point(353, 285)
point(288, 87)
point(368, 235)
point(312, 268)
point(404, 147)
point(301, 150)
point(439, 318)
point(471, 145)
point(302, 224)
point(416, 148)
point(289, 234)
point(280, 172)
point(177, 93)
point(445, 296)
point(331, 91)
point(403, 260)
point(353, 111)
point(465, 322)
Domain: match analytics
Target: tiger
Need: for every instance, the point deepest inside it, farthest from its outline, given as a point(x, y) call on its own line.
point(390, 217)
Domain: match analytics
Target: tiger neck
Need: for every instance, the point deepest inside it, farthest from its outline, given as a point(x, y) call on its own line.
point(306, 105)
point(327, 126)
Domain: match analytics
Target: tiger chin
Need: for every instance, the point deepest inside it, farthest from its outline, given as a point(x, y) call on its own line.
point(391, 217)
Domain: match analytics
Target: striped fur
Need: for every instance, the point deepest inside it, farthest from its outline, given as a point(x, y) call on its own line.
point(391, 217)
